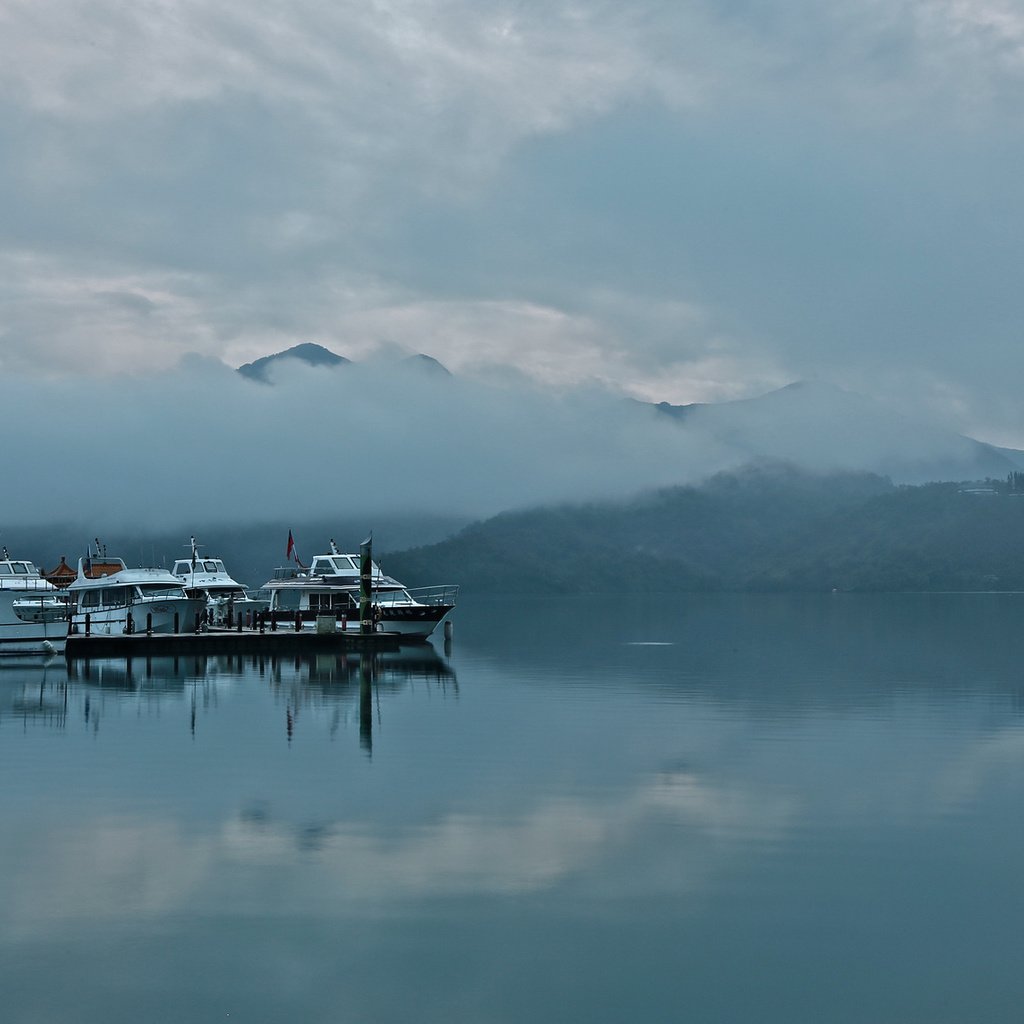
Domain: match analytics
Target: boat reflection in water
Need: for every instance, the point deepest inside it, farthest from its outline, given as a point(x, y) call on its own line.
point(314, 684)
point(325, 683)
point(33, 691)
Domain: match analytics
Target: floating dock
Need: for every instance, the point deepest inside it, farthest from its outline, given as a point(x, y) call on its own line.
point(226, 641)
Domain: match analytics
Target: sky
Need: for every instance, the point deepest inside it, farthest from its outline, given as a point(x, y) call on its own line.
point(685, 201)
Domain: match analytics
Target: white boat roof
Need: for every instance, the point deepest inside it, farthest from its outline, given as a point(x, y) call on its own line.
point(106, 572)
point(335, 569)
point(208, 572)
point(19, 574)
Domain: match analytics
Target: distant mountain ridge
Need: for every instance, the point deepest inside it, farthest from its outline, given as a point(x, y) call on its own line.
point(818, 426)
point(767, 527)
point(826, 428)
point(316, 355)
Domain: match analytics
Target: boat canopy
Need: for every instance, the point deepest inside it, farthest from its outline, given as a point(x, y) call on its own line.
point(333, 565)
point(18, 569)
point(183, 566)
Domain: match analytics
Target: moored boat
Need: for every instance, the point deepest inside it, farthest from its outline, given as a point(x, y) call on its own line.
point(207, 578)
point(33, 612)
point(330, 586)
point(112, 599)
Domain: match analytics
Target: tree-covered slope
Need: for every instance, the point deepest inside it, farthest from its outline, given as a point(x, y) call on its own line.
point(766, 528)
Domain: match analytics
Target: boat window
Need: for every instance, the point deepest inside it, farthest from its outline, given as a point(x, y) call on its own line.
point(5, 569)
point(90, 599)
point(20, 568)
point(328, 602)
point(287, 600)
point(114, 597)
point(210, 566)
point(152, 591)
point(219, 566)
point(343, 564)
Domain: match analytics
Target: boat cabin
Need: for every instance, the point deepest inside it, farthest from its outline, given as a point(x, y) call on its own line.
point(127, 594)
point(21, 570)
point(212, 566)
point(334, 565)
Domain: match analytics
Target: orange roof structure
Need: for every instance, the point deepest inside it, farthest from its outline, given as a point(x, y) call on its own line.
point(62, 576)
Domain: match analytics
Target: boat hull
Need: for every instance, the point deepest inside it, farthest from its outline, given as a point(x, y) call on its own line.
point(28, 630)
point(416, 622)
point(114, 621)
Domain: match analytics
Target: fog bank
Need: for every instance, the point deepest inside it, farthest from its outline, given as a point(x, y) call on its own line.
point(202, 443)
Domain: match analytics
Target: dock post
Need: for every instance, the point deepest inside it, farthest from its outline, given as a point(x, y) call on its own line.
point(88, 623)
point(176, 624)
point(365, 584)
point(149, 623)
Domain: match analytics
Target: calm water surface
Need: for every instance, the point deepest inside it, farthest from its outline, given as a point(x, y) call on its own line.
point(726, 808)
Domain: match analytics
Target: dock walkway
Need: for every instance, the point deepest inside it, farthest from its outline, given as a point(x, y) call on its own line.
point(225, 641)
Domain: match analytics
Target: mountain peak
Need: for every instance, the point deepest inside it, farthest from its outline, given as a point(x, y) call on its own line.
point(307, 352)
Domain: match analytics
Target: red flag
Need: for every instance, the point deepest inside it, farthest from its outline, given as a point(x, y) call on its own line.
point(291, 548)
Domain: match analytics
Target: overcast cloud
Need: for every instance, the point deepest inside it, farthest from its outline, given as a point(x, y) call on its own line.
point(687, 202)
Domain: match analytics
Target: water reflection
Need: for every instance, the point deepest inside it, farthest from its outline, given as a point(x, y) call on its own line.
point(42, 692)
point(33, 691)
point(738, 807)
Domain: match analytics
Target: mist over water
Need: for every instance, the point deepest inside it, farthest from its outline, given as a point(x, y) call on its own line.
point(203, 443)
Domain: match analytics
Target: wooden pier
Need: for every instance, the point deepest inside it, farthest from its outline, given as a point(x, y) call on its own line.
point(226, 641)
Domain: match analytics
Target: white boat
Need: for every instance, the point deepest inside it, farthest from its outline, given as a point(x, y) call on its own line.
point(330, 586)
point(33, 612)
point(207, 578)
point(117, 600)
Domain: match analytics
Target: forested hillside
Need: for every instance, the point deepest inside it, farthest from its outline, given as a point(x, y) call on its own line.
point(766, 528)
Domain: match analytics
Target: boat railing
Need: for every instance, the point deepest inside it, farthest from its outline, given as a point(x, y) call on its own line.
point(26, 583)
point(445, 593)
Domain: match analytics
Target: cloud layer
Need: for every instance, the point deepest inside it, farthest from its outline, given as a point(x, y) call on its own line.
point(690, 203)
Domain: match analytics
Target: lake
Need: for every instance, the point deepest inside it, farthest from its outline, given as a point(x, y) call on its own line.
point(714, 808)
